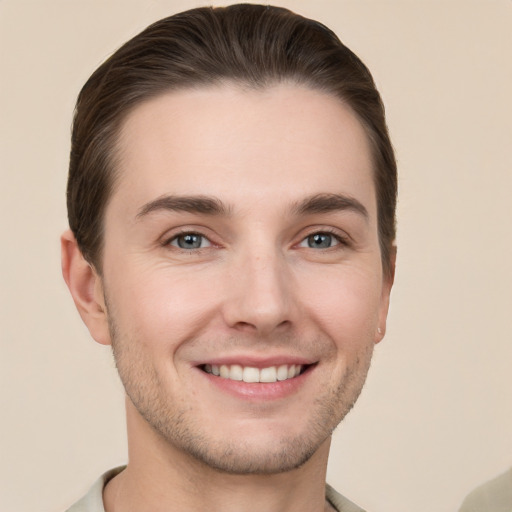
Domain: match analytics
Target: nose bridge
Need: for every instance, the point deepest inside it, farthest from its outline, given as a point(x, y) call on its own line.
point(260, 296)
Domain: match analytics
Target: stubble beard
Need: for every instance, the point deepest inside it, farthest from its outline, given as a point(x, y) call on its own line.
point(177, 426)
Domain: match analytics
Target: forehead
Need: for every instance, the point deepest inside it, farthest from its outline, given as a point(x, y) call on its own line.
point(276, 143)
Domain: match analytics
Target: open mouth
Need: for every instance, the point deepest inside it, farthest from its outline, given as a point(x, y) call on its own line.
point(251, 374)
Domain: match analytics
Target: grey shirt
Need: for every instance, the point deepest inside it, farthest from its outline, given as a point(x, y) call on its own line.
point(93, 500)
point(493, 496)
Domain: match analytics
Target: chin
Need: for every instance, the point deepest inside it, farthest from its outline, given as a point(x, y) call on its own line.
point(255, 446)
point(246, 457)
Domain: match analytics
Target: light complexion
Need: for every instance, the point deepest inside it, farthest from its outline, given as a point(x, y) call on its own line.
point(242, 285)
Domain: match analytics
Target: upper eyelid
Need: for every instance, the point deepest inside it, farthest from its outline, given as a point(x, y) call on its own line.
point(171, 234)
point(338, 233)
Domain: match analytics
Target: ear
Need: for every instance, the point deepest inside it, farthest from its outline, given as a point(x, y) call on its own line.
point(86, 288)
point(387, 283)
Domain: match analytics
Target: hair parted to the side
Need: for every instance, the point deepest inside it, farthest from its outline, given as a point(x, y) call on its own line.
point(254, 45)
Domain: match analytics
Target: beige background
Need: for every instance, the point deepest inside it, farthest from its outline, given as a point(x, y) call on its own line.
point(435, 418)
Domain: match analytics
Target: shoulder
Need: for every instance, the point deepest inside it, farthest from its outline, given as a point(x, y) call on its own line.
point(93, 500)
point(493, 496)
point(339, 502)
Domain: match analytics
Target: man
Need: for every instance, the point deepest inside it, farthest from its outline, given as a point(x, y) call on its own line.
point(231, 201)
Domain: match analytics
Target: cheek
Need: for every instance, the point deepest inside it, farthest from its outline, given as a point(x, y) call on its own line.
point(162, 308)
point(346, 303)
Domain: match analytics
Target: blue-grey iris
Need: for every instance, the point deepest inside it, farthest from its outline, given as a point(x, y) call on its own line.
point(320, 241)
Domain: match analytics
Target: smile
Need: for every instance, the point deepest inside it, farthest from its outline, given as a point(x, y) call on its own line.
point(251, 374)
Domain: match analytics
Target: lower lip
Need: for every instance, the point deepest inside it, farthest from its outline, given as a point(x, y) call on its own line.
point(259, 391)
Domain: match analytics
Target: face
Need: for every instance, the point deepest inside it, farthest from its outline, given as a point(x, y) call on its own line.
point(242, 274)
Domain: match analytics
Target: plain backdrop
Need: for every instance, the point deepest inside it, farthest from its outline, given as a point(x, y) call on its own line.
point(435, 418)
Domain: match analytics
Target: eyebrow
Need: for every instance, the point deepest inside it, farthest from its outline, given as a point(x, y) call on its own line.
point(207, 205)
point(191, 204)
point(324, 203)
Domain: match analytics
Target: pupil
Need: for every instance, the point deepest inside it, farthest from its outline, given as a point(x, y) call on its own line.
point(320, 240)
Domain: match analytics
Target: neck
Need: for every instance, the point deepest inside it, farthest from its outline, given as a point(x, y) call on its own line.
point(161, 478)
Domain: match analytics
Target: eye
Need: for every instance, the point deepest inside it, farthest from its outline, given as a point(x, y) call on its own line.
point(190, 241)
point(320, 241)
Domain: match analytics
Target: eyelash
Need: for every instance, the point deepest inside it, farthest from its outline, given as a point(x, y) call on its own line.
point(342, 241)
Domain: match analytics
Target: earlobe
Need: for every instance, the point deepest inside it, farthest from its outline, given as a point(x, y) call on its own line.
point(86, 288)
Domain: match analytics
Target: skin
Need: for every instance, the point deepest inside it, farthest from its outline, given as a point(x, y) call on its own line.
point(279, 167)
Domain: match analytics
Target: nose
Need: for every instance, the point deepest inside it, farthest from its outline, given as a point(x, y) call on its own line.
point(259, 296)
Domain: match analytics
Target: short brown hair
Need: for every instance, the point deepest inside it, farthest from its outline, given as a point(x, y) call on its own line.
point(253, 45)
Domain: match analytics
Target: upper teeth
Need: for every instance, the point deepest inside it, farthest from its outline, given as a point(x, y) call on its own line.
point(250, 374)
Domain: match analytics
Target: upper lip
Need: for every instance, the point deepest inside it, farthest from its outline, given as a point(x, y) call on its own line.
point(255, 361)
